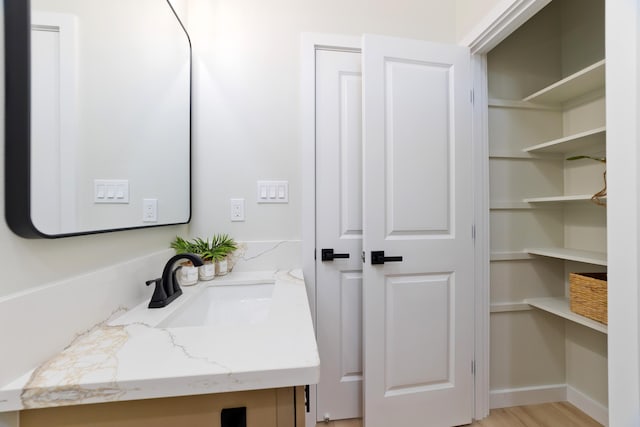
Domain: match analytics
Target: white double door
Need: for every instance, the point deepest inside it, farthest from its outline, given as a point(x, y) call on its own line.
point(393, 175)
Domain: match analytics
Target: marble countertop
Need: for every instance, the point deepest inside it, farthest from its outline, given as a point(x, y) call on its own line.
point(131, 358)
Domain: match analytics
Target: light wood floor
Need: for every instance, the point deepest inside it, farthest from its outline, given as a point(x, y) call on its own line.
point(561, 414)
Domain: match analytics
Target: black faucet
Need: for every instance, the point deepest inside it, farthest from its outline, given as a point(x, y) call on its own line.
point(167, 287)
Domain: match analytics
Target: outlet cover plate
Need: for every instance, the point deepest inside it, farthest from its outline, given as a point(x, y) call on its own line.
point(237, 210)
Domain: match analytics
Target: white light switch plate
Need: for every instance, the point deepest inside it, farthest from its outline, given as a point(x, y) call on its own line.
point(111, 191)
point(273, 192)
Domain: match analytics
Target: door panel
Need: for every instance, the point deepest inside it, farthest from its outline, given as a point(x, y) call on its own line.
point(423, 300)
point(339, 227)
point(418, 313)
point(350, 158)
point(417, 146)
point(351, 326)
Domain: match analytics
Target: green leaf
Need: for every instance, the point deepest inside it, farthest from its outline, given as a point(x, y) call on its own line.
point(215, 249)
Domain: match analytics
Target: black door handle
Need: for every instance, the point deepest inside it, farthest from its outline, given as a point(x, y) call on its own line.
point(328, 255)
point(377, 257)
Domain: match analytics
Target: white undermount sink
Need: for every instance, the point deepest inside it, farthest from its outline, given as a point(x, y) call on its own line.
point(225, 305)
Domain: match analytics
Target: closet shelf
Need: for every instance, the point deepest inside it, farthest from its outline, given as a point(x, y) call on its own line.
point(554, 199)
point(510, 256)
point(582, 82)
point(508, 205)
point(572, 143)
point(560, 307)
point(588, 257)
point(523, 105)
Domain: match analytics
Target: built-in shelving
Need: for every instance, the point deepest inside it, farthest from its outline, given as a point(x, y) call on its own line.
point(540, 204)
point(588, 257)
point(580, 83)
point(570, 144)
point(559, 199)
point(560, 307)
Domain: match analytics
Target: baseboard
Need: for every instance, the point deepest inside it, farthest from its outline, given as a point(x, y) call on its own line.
point(594, 409)
point(505, 398)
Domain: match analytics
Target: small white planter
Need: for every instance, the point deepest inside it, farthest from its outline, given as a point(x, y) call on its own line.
point(207, 271)
point(221, 267)
point(187, 275)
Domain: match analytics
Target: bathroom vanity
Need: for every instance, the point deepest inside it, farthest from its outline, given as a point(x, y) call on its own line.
point(264, 408)
point(242, 341)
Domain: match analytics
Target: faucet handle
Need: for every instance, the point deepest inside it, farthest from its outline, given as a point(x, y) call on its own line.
point(152, 281)
point(159, 297)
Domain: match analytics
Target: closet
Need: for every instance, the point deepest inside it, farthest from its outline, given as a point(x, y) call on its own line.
point(546, 105)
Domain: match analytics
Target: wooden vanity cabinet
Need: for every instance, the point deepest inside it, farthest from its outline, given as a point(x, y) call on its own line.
point(280, 407)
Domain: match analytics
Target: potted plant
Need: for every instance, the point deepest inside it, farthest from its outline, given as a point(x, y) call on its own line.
point(222, 245)
point(205, 249)
point(188, 274)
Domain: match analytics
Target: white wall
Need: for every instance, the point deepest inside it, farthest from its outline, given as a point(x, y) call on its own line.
point(470, 12)
point(246, 105)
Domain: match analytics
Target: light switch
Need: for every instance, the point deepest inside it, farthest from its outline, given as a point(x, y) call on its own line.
point(273, 192)
point(111, 191)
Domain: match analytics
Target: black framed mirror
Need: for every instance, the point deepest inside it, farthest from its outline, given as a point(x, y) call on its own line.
point(97, 116)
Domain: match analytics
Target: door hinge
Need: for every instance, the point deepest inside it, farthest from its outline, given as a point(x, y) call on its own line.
point(315, 257)
point(473, 232)
point(472, 97)
point(363, 256)
point(473, 367)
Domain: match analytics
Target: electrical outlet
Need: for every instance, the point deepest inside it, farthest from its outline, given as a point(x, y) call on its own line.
point(237, 209)
point(150, 210)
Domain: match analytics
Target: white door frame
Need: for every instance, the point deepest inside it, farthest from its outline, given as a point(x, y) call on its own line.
point(497, 25)
point(66, 26)
point(622, 20)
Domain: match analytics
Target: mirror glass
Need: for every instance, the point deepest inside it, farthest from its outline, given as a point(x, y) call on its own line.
point(109, 116)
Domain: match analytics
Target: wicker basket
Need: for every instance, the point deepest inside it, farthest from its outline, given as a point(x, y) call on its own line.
point(588, 295)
